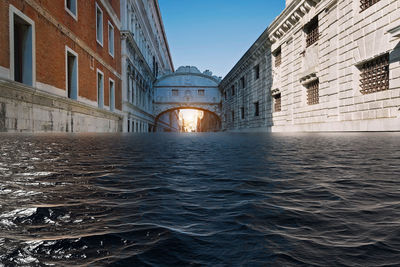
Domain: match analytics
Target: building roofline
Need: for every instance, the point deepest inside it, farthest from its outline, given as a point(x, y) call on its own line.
point(163, 33)
point(175, 74)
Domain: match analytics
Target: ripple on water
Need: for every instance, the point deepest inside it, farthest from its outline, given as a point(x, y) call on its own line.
point(206, 199)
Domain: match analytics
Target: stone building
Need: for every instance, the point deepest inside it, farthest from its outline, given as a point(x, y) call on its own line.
point(322, 65)
point(60, 66)
point(145, 56)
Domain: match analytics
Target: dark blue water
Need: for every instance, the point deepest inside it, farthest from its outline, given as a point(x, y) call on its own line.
point(200, 200)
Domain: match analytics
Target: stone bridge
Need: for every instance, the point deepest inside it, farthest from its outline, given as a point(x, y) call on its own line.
point(187, 88)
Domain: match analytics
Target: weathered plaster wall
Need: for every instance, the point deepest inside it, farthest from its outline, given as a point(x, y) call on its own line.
point(23, 109)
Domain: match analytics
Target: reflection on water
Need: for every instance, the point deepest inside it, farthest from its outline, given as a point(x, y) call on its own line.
point(203, 199)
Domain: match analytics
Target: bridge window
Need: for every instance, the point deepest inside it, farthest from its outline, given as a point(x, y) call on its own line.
point(242, 112)
point(175, 92)
point(200, 92)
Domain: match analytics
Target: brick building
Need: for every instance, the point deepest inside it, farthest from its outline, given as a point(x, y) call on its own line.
point(60, 65)
point(322, 65)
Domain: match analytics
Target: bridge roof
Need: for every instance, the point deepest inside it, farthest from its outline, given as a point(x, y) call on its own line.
point(188, 77)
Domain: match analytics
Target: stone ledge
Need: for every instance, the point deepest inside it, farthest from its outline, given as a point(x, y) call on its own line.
point(21, 92)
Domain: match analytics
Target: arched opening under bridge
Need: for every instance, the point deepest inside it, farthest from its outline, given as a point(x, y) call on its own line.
point(192, 119)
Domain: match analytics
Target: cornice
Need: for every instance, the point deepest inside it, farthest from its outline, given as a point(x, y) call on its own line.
point(290, 17)
point(286, 21)
point(164, 34)
point(112, 13)
point(174, 74)
point(255, 51)
point(128, 35)
point(395, 31)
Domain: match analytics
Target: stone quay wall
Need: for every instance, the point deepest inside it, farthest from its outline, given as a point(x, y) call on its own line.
point(25, 109)
point(328, 44)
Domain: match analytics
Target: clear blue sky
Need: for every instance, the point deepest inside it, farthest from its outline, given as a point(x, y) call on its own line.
point(214, 34)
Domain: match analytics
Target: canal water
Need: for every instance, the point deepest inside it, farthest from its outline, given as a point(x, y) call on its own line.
point(212, 199)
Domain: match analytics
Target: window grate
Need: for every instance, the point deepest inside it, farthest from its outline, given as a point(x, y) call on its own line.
point(374, 75)
point(278, 103)
point(365, 4)
point(278, 58)
point(313, 93)
point(312, 31)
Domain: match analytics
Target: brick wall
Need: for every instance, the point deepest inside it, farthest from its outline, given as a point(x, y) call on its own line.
point(56, 29)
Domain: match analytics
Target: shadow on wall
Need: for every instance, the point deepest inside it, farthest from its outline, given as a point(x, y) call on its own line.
point(394, 56)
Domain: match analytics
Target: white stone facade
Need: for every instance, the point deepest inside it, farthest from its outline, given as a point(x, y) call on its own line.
point(348, 38)
point(187, 88)
point(145, 56)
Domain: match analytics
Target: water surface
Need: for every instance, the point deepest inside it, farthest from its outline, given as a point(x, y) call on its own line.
point(200, 199)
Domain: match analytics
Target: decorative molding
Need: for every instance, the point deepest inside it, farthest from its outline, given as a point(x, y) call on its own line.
point(275, 92)
point(308, 78)
point(395, 31)
point(111, 13)
point(330, 5)
point(185, 74)
point(128, 35)
point(290, 17)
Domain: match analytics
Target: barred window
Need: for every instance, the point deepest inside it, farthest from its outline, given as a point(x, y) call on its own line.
point(374, 75)
point(278, 57)
point(242, 112)
point(233, 116)
point(200, 92)
point(313, 93)
point(367, 3)
point(277, 103)
point(233, 90)
point(175, 92)
point(312, 31)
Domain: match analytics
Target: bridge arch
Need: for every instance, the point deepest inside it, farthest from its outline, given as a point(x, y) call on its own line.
point(206, 110)
point(187, 88)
